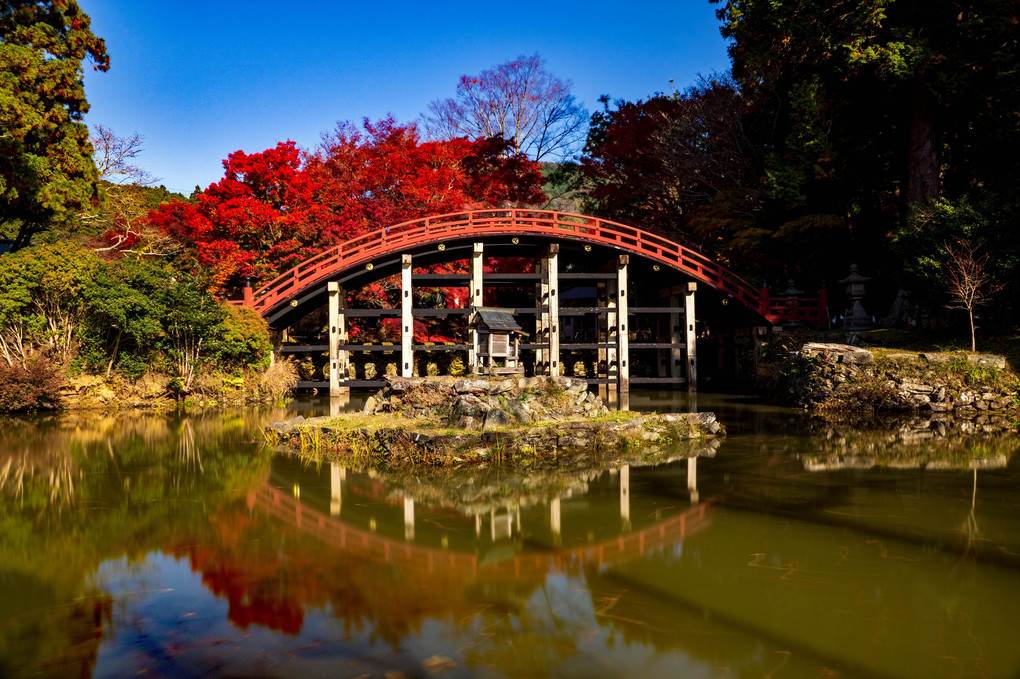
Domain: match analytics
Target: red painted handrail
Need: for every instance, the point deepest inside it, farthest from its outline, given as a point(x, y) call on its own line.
point(440, 228)
point(454, 226)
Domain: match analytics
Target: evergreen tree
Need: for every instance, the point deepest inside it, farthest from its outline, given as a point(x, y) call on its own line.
point(47, 173)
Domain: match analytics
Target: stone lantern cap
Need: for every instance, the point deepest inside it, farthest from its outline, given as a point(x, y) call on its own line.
point(791, 290)
point(855, 276)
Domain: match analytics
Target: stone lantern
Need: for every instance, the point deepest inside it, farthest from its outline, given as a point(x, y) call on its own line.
point(857, 318)
point(791, 290)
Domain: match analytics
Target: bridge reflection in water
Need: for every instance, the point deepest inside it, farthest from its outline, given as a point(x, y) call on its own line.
point(498, 529)
point(763, 564)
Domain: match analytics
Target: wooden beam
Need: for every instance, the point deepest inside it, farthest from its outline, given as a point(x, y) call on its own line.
point(406, 318)
point(622, 321)
point(477, 296)
point(690, 337)
point(553, 282)
point(541, 319)
point(339, 359)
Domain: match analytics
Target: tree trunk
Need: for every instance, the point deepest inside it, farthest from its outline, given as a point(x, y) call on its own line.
point(922, 152)
point(116, 348)
point(973, 339)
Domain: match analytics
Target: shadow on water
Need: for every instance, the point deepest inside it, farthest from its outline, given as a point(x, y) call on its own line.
point(178, 545)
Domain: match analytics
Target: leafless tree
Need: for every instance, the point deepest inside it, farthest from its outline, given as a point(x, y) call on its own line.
point(112, 155)
point(968, 280)
point(519, 101)
point(126, 203)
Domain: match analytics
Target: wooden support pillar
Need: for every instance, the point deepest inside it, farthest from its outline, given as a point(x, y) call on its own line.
point(339, 356)
point(552, 277)
point(691, 337)
point(541, 319)
point(477, 263)
point(477, 296)
point(613, 341)
point(622, 332)
point(406, 319)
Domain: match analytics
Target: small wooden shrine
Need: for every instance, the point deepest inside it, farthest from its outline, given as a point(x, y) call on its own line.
point(495, 340)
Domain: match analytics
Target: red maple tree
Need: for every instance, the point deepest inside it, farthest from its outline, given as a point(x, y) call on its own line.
point(276, 208)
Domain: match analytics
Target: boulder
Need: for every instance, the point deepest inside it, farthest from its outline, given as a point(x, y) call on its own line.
point(915, 387)
point(497, 417)
point(937, 358)
point(571, 384)
point(469, 405)
point(988, 361)
point(519, 410)
point(838, 353)
point(472, 387)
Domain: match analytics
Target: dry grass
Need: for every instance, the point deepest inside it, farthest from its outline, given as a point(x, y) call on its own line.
point(280, 377)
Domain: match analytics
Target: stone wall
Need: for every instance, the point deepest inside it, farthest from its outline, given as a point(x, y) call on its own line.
point(841, 377)
point(479, 403)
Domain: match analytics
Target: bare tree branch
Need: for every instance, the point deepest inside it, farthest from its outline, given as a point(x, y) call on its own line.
point(968, 280)
point(112, 155)
point(519, 101)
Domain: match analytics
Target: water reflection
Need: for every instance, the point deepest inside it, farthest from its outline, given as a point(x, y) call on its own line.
point(183, 548)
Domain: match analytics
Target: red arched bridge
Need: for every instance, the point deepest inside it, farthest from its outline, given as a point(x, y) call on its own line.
point(611, 312)
point(541, 224)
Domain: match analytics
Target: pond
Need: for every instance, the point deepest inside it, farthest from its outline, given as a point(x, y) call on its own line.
point(179, 545)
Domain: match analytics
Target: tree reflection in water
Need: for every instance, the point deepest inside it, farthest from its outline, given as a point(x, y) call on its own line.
point(744, 565)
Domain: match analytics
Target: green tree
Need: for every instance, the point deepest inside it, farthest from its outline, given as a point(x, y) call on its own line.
point(47, 174)
point(191, 321)
point(124, 321)
point(878, 101)
point(963, 253)
point(41, 300)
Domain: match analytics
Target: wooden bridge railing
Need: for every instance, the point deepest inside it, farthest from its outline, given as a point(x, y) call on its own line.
point(559, 225)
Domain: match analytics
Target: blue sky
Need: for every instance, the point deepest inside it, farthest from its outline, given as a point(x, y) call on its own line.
point(199, 80)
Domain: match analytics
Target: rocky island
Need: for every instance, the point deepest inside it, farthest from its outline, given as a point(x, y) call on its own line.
point(442, 422)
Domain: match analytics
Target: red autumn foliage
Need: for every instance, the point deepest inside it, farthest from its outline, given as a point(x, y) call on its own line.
point(276, 208)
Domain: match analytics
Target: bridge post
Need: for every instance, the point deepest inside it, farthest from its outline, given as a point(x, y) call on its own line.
point(406, 319)
point(613, 342)
point(541, 319)
point(691, 337)
point(339, 359)
point(623, 334)
point(552, 277)
point(477, 296)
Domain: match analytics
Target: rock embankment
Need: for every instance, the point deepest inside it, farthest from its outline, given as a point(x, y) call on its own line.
point(487, 403)
point(441, 422)
point(840, 377)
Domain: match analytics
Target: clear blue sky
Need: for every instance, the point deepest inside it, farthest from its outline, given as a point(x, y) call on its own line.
point(199, 80)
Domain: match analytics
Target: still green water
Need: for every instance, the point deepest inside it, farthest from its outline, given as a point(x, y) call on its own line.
point(179, 546)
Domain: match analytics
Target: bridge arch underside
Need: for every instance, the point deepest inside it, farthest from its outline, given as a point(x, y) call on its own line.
point(588, 275)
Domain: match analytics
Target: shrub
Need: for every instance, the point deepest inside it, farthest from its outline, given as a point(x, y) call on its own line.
point(33, 386)
point(243, 341)
point(280, 377)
